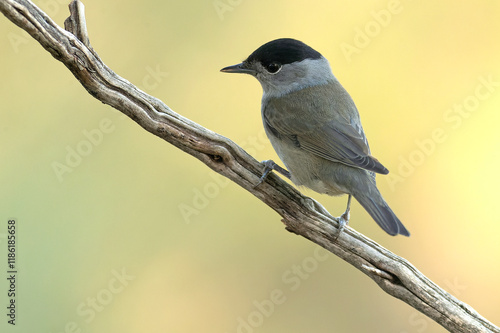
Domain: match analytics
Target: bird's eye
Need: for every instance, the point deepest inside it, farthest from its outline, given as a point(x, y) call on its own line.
point(273, 67)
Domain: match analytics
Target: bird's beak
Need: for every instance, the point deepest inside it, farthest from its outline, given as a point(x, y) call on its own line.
point(239, 68)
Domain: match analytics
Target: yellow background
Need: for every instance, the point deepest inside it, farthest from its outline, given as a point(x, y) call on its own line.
point(118, 210)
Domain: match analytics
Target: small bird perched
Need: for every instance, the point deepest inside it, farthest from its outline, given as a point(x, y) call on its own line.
point(314, 126)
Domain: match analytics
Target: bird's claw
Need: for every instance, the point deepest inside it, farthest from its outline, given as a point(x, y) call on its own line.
point(269, 166)
point(343, 222)
point(343, 219)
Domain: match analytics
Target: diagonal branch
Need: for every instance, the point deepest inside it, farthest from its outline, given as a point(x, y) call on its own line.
point(301, 215)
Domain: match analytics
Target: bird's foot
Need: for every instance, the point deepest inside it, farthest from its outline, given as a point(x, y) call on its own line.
point(344, 218)
point(270, 166)
point(343, 222)
point(315, 205)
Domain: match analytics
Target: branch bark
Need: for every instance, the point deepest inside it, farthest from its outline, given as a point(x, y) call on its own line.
point(301, 215)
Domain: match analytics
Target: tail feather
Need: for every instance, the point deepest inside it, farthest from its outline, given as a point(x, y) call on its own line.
point(382, 214)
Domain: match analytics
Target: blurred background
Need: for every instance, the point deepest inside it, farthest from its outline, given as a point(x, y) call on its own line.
point(118, 231)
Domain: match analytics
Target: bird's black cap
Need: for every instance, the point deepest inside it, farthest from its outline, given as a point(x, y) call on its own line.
point(284, 51)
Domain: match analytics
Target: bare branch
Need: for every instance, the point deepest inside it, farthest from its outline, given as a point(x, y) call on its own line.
point(301, 215)
point(76, 23)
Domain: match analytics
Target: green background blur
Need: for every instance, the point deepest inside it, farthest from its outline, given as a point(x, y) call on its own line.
point(410, 66)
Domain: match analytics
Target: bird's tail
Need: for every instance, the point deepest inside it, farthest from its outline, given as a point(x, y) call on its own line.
point(376, 206)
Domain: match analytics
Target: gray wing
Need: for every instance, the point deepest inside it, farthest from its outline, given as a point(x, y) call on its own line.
point(334, 134)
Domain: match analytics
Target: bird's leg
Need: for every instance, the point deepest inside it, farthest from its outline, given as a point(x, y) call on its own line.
point(344, 218)
point(270, 166)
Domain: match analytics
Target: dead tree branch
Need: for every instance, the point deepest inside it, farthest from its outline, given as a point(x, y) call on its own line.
point(301, 215)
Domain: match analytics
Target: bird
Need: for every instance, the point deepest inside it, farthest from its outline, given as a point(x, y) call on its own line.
point(315, 128)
